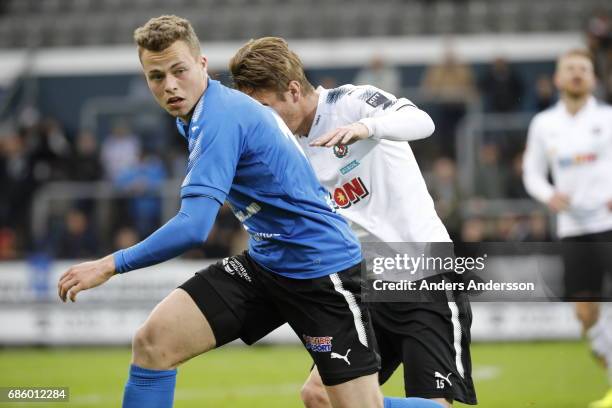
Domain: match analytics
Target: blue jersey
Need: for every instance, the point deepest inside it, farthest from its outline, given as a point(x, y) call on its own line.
point(242, 151)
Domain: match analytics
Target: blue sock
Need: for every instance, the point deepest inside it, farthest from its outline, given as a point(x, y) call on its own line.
point(410, 403)
point(149, 388)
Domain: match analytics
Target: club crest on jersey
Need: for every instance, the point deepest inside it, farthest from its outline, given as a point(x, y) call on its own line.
point(350, 193)
point(341, 151)
point(318, 344)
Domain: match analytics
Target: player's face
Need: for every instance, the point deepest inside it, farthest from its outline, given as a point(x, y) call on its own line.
point(286, 106)
point(574, 76)
point(176, 77)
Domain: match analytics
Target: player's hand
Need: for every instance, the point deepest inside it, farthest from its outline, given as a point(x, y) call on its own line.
point(609, 204)
point(344, 135)
point(559, 202)
point(85, 275)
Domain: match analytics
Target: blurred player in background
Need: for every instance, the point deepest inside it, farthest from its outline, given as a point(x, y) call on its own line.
point(377, 185)
point(574, 140)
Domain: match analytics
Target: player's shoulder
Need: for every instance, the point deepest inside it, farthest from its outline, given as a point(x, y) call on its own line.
point(603, 107)
point(546, 116)
point(359, 94)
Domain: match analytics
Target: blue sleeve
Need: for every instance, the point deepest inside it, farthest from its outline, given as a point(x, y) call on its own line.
point(213, 159)
point(187, 229)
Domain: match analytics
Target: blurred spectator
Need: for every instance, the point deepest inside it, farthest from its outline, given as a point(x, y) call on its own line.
point(125, 237)
point(507, 228)
point(16, 184)
point(142, 182)
point(380, 75)
point(474, 229)
point(444, 188)
point(491, 177)
point(599, 37)
point(8, 244)
point(450, 81)
point(501, 87)
point(515, 187)
point(545, 93)
point(85, 163)
point(450, 85)
point(50, 151)
point(539, 230)
point(120, 150)
point(328, 82)
point(76, 239)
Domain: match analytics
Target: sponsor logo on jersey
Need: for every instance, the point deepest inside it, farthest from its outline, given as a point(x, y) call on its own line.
point(352, 165)
point(377, 99)
point(318, 344)
point(577, 160)
point(341, 151)
point(350, 193)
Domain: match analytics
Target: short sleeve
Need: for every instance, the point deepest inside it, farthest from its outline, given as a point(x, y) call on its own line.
point(213, 160)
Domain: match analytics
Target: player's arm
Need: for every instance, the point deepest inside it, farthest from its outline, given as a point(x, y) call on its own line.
point(380, 116)
point(188, 229)
point(535, 172)
point(210, 174)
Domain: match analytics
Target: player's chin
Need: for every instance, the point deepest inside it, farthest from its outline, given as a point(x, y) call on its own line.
point(176, 112)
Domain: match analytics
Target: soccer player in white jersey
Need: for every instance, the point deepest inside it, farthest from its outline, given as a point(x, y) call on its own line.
point(356, 139)
point(573, 139)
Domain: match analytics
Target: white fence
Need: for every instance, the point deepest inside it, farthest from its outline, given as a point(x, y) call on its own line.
point(31, 312)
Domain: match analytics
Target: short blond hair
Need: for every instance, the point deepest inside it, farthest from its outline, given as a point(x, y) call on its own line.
point(161, 32)
point(267, 64)
point(575, 52)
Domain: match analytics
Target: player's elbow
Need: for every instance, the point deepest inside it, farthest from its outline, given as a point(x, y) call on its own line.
point(422, 124)
point(429, 127)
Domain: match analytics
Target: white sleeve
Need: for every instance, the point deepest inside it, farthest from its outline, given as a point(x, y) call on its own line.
point(390, 118)
point(535, 166)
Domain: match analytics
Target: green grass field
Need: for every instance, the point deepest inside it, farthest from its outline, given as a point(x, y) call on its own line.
point(559, 375)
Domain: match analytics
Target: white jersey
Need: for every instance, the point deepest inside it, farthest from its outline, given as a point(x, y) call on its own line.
point(375, 183)
point(578, 151)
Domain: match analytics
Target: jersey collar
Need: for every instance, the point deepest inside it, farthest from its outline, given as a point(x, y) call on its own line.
point(186, 129)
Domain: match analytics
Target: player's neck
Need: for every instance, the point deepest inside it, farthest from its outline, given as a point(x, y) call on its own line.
point(309, 107)
point(574, 104)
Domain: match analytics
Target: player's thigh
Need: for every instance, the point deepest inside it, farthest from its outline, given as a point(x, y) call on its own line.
point(361, 392)
point(327, 315)
point(436, 352)
point(175, 331)
point(584, 268)
point(236, 305)
point(389, 346)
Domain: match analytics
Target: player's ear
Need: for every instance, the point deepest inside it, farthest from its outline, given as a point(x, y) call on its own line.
point(295, 90)
point(204, 61)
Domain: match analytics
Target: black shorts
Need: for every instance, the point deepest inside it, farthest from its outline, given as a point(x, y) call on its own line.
point(432, 341)
point(242, 300)
point(586, 260)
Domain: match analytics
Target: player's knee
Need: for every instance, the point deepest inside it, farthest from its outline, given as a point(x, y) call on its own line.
point(314, 396)
point(147, 349)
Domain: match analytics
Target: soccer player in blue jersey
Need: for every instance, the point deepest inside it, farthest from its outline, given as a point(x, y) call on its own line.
point(303, 262)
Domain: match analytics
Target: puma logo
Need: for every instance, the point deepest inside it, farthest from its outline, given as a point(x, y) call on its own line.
point(342, 357)
point(438, 375)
